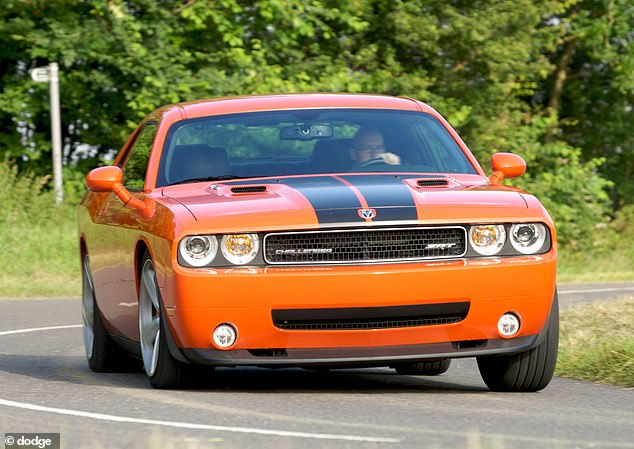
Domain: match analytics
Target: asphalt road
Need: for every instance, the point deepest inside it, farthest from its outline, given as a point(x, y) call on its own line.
point(46, 387)
point(571, 295)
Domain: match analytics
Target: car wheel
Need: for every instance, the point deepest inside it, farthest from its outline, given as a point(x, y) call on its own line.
point(102, 353)
point(162, 369)
point(429, 368)
point(527, 371)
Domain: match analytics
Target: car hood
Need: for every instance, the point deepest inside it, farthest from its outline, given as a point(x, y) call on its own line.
point(322, 201)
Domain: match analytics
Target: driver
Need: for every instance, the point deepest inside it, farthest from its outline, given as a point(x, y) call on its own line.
point(369, 149)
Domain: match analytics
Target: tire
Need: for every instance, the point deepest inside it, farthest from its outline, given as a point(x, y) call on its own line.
point(429, 368)
point(162, 369)
point(102, 353)
point(527, 371)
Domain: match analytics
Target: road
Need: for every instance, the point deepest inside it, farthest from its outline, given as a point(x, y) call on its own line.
point(47, 387)
point(571, 295)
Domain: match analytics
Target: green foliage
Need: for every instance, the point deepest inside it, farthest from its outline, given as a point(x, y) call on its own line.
point(550, 79)
point(596, 105)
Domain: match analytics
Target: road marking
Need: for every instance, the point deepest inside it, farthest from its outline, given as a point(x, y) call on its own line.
point(597, 290)
point(38, 329)
point(181, 425)
point(184, 425)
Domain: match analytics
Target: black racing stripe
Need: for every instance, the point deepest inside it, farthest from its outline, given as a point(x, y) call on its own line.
point(333, 201)
point(387, 194)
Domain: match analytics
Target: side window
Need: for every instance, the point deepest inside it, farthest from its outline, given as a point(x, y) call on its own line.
point(445, 153)
point(136, 163)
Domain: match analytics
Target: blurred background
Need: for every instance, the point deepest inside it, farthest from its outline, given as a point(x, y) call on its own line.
point(552, 81)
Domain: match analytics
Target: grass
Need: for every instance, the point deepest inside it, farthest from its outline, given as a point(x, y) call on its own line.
point(597, 343)
point(614, 263)
point(39, 240)
point(40, 260)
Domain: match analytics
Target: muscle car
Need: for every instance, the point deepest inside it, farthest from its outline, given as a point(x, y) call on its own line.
point(316, 231)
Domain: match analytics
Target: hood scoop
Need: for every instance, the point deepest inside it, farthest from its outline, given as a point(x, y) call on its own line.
point(229, 191)
point(440, 182)
point(431, 183)
point(241, 190)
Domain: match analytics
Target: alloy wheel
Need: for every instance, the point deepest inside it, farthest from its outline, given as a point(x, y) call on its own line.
point(88, 307)
point(149, 318)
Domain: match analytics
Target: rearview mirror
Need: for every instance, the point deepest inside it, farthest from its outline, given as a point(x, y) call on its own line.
point(306, 132)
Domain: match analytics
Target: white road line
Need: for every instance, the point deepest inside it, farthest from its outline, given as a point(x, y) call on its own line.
point(596, 290)
point(38, 329)
point(183, 425)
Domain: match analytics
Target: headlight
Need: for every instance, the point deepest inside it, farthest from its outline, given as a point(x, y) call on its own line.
point(487, 240)
point(528, 238)
point(198, 250)
point(240, 249)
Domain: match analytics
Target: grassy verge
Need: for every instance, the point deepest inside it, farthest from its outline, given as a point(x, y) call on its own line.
point(597, 343)
point(614, 265)
point(39, 240)
point(40, 260)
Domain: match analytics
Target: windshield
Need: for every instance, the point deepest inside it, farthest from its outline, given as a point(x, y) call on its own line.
point(314, 141)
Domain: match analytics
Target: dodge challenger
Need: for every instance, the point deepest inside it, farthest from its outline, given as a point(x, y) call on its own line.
point(315, 231)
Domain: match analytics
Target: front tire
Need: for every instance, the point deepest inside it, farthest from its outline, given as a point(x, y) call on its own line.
point(162, 369)
point(527, 371)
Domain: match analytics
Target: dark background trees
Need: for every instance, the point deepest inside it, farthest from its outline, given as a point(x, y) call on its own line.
point(550, 80)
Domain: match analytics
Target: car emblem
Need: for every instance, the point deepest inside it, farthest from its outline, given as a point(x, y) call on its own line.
point(367, 214)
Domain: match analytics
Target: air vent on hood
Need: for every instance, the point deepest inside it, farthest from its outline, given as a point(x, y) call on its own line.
point(248, 189)
point(439, 182)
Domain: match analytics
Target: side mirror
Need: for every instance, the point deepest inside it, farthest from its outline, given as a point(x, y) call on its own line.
point(110, 179)
point(104, 179)
point(506, 165)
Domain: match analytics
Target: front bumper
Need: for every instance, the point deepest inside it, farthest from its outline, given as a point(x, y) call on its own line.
point(196, 301)
point(348, 357)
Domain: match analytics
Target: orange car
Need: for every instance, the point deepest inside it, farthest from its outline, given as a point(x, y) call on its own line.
point(314, 230)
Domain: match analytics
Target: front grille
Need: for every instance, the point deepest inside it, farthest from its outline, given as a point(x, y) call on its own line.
point(367, 245)
point(370, 317)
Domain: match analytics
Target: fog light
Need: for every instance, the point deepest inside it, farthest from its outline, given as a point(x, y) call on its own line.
point(224, 335)
point(508, 325)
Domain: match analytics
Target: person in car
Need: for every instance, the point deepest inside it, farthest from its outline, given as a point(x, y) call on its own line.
point(369, 149)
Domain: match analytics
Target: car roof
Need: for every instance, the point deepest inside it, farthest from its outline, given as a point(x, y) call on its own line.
point(239, 104)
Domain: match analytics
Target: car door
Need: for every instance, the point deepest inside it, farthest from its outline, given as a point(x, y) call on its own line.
point(114, 262)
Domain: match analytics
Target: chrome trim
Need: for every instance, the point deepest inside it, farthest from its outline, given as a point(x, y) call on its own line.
point(364, 229)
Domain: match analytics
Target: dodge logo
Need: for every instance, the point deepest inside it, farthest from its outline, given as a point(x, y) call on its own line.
point(367, 214)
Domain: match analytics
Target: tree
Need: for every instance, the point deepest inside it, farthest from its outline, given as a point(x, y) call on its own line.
point(548, 79)
point(591, 92)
